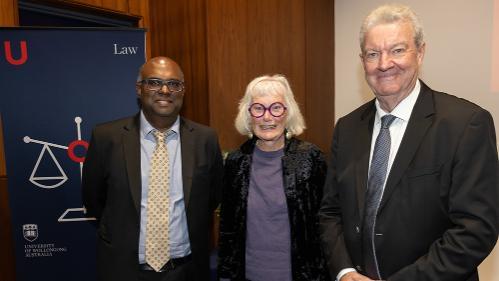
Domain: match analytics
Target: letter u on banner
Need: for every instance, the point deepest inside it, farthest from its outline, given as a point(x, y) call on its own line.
point(8, 53)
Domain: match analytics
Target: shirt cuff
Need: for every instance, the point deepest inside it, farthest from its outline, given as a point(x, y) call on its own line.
point(343, 272)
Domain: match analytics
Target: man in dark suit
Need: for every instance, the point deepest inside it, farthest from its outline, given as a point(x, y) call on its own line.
point(412, 187)
point(118, 175)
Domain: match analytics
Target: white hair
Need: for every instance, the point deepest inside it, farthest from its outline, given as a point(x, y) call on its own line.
point(270, 85)
point(391, 13)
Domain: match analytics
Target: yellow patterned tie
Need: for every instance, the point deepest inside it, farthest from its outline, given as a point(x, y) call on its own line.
point(158, 202)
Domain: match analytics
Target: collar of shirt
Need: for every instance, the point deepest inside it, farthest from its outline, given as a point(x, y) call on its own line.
point(146, 128)
point(403, 110)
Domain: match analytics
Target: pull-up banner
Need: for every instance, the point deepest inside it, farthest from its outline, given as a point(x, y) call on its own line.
point(56, 84)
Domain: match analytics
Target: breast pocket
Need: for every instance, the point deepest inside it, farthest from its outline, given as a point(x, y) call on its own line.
point(424, 172)
point(424, 180)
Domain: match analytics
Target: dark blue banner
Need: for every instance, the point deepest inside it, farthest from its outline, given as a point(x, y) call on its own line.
point(56, 84)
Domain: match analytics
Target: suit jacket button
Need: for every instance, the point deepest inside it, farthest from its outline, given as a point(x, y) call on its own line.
point(359, 269)
point(357, 229)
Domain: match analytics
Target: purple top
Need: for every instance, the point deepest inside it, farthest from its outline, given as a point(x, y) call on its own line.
point(268, 242)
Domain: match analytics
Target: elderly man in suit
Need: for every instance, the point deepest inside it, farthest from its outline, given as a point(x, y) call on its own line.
point(412, 187)
point(153, 180)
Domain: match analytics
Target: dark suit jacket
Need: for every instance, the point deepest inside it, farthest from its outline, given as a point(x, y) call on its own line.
point(111, 187)
point(438, 217)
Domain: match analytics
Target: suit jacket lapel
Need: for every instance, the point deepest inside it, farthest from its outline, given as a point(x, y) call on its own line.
point(364, 148)
point(420, 121)
point(188, 147)
point(131, 151)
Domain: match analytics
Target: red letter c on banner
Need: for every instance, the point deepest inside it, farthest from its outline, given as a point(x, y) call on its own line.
point(71, 150)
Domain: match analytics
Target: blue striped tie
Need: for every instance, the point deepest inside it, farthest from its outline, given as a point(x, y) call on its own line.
point(376, 179)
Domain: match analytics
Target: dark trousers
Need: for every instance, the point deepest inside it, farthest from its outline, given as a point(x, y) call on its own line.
point(180, 273)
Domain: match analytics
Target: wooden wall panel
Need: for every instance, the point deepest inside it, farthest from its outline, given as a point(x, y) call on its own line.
point(7, 264)
point(276, 38)
point(8, 13)
point(3, 169)
point(7, 268)
point(228, 65)
point(277, 42)
point(178, 30)
point(96, 3)
point(319, 108)
point(141, 8)
point(125, 7)
point(116, 5)
point(249, 38)
point(135, 6)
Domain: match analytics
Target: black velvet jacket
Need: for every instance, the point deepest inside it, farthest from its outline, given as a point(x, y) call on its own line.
point(304, 171)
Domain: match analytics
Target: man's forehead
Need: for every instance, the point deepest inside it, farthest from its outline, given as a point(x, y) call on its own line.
point(164, 68)
point(392, 33)
point(162, 64)
point(387, 44)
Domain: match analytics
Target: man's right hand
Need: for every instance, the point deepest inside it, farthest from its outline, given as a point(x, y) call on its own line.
point(355, 276)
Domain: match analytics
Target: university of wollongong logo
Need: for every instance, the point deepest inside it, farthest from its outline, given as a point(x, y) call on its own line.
point(30, 232)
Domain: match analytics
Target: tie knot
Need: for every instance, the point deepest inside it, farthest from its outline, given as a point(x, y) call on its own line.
point(387, 120)
point(160, 136)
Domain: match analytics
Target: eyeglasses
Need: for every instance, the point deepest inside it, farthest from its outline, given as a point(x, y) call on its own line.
point(276, 109)
point(156, 84)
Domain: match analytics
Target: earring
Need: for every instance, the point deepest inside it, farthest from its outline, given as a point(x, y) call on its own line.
point(288, 135)
point(250, 135)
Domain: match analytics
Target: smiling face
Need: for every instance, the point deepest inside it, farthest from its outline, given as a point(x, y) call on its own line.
point(160, 107)
point(269, 129)
point(391, 60)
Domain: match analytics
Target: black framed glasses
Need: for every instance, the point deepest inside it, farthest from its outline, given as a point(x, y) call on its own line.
point(155, 84)
point(276, 109)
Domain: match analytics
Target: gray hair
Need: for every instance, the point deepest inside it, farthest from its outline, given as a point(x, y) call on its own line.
point(270, 85)
point(391, 13)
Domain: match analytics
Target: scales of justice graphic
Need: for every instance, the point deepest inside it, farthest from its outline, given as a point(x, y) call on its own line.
point(49, 182)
